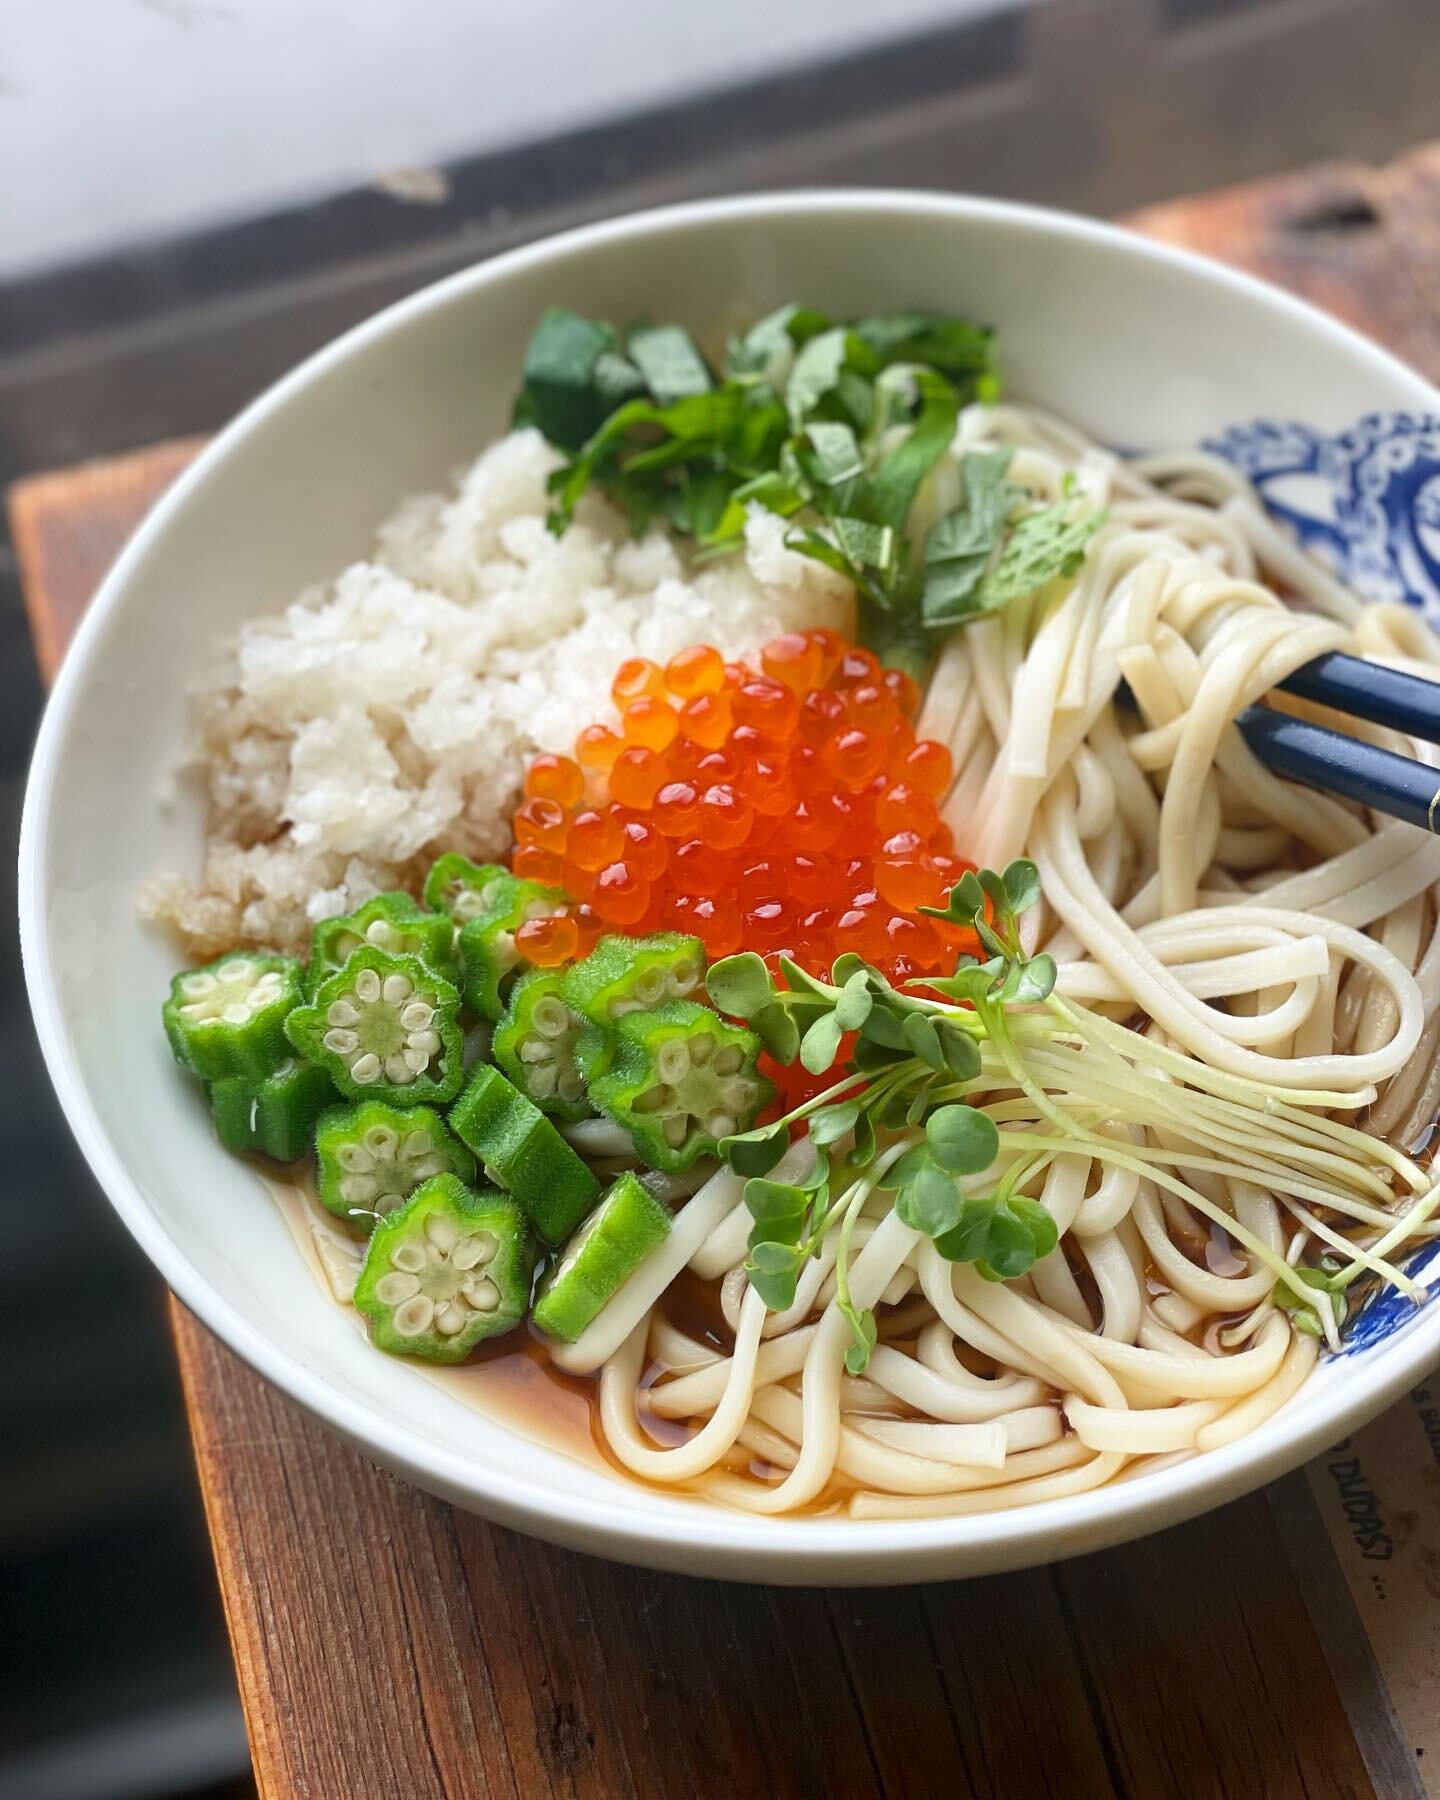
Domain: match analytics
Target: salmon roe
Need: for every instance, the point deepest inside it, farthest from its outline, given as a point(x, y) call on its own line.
point(787, 809)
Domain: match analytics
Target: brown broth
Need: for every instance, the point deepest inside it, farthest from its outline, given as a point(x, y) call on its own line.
point(513, 1382)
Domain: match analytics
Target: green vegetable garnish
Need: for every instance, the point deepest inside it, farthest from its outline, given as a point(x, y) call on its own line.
point(384, 1027)
point(524, 1152)
point(628, 974)
point(445, 1271)
point(1311, 1314)
point(372, 1157)
point(275, 1116)
point(464, 889)
point(837, 426)
point(488, 955)
point(229, 1017)
point(390, 922)
point(680, 1079)
point(906, 1116)
point(534, 1044)
point(607, 1249)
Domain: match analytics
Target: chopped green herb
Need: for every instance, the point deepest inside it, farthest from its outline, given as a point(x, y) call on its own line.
point(837, 426)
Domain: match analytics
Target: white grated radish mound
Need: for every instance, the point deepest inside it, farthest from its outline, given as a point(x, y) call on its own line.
point(390, 716)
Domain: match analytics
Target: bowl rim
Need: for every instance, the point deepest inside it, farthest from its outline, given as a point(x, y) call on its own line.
point(705, 1538)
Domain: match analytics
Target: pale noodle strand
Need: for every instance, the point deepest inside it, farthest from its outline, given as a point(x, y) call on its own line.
point(1285, 939)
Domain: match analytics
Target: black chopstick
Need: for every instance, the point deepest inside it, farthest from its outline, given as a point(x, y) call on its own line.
point(1368, 690)
point(1334, 763)
point(1343, 765)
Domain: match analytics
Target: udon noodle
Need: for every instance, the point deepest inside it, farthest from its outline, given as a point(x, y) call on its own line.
point(1281, 938)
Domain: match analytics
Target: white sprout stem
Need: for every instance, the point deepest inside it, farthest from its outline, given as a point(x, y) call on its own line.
point(1405, 1226)
point(1228, 1222)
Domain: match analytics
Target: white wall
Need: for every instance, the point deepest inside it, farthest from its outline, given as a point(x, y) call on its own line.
point(128, 119)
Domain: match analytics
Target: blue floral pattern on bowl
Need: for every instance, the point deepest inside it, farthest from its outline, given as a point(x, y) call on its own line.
point(1366, 503)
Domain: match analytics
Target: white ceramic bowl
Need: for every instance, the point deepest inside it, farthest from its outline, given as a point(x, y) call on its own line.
point(1142, 345)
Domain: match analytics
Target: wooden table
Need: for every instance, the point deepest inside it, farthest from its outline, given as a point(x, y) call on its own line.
point(390, 1648)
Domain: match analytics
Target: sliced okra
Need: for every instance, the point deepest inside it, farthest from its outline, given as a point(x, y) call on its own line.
point(447, 1269)
point(390, 922)
point(385, 1027)
point(229, 1017)
point(488, 954)
point(681, 1078)
point(629, 974)
point(464, 889)
point(534, 1044)
point(275, 1116)
point(607, 1249)
point(372, 1157)
point(524, 1153)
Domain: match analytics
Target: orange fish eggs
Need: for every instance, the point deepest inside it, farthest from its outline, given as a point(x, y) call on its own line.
point(786, 808)
point(548, 942)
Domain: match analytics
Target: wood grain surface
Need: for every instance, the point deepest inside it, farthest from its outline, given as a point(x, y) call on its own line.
point(389, 1648)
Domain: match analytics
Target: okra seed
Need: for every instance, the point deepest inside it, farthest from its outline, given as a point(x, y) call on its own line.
point(550, 1017)
point(683, 978)
point(450, 1319)
point(355, 1158)
point(367, 986)
point(397, 1287)
point(341, 1012)
point(431, 1165)
point(416, 1144)
point(355, 1190)
point(417, 1015)
point(414, 1316)
point(397, 1068)
point(427, 1040)
point(676, 1129)
point(650, 987)
point(365, 1069)
point(346, 944)
point(341, 1042)
point(231, 994)
point(382, 1140)
point(541, 1081)
point(410, 1257)
point(728, 1059)
point(535, 1050)
point(626, 1004)
point(702, 1049)
point(474, 1250)
point(483, 1295)
point(442, 1232)
point(720, 1125)
point(672, 1063)
point(386, 1203)
point(382, 934)
point(571, 1085)
point(396, 989)
point(654, 1099)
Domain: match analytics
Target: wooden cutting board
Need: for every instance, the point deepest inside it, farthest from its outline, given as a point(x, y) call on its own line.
point(388, 1646)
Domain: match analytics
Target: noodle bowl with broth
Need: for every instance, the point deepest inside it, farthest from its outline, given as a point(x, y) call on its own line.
point(1082, 1190)
point(1275, 935)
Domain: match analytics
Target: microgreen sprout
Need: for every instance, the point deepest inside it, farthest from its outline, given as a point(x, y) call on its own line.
point(961, 1090)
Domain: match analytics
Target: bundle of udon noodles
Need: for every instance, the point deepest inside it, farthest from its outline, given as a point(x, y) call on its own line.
point(1287, 942)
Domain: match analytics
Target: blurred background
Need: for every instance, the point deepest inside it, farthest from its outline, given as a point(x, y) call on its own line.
point(194, 194)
